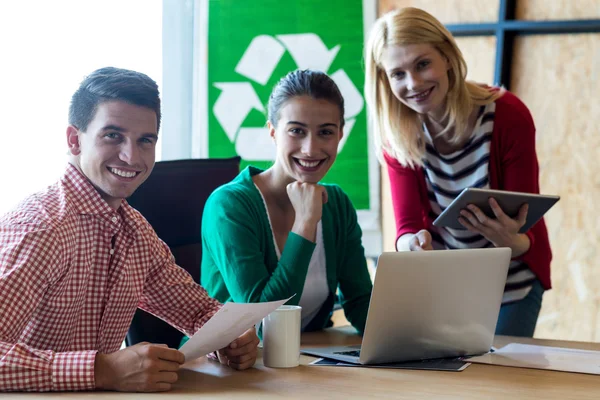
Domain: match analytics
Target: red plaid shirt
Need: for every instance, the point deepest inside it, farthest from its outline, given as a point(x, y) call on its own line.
point(66, 292)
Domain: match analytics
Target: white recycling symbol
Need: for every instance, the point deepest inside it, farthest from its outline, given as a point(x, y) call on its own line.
point(258, 62)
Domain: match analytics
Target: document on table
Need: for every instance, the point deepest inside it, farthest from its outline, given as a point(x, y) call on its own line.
point(226, 325)
point(441, 364)
point(543, 357)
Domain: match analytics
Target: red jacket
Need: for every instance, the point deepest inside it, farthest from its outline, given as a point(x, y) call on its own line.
point(513, 166)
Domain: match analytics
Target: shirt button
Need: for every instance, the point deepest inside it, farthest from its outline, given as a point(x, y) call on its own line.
point(114, 219)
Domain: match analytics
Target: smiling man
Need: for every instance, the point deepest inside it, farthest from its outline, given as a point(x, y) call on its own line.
point(76, 260)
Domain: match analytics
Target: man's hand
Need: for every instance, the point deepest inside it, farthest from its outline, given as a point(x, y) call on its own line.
point(241, 353)
point(143, 367)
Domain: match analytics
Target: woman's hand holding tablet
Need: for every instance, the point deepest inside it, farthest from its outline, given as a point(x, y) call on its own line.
point(498, 215)
point(502, 231)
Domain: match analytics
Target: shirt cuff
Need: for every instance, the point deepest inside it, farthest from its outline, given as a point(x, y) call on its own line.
point(73, 371)
point(297, 251)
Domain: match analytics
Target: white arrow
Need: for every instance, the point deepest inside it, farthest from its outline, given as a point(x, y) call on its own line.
point(353, 100)
point(347, 129)
point(260, 59)
point(255, 144)
point(309, 51)
point(236, 100)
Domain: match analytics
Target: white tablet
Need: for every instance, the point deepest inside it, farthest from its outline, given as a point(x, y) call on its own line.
point(510, 202)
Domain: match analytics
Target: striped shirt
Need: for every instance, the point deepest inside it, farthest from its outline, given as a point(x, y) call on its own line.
point(447, 175)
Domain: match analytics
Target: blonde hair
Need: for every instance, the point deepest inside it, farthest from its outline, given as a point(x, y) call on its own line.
point(399, 129)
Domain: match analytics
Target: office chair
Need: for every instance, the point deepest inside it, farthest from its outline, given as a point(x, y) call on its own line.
point(172, 200)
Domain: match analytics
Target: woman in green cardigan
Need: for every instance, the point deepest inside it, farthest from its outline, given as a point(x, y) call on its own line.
point(270, 234)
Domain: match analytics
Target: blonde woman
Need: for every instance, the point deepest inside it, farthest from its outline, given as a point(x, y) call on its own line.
point(439, 134)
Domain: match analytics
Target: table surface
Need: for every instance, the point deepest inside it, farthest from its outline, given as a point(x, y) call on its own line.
point(212, 380)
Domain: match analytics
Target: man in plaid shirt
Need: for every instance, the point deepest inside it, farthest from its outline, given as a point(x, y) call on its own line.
point(76, 260)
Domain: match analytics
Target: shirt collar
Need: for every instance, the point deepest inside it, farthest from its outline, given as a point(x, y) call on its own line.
point(87, 200)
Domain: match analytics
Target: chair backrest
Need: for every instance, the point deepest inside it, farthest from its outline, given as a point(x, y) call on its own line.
point(172, 200)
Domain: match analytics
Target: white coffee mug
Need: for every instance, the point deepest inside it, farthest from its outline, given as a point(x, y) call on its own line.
point(281, 337)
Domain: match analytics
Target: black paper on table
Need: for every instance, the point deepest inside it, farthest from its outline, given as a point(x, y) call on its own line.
point(440, 364)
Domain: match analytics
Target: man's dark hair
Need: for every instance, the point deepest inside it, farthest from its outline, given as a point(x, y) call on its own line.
point(315, 84)
point(112, 84)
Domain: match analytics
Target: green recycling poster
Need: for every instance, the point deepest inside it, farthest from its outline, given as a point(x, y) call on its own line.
point(252, 44)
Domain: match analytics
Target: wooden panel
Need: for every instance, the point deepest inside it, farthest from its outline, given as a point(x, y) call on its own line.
point(480, 55)
point(557, 77)
point(449, 11)
point(557, 9)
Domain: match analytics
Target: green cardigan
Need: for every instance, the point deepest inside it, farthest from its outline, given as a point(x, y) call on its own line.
point(239, 261)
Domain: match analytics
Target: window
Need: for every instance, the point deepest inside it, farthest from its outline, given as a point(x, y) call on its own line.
point(47, 48)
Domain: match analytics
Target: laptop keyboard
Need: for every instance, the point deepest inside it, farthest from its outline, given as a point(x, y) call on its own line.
point(351, 353)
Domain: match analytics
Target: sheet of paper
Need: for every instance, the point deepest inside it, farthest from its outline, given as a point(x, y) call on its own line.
point(226, 325)
point(543, 357)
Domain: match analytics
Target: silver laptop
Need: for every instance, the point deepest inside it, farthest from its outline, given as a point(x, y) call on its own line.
point(430, 304)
